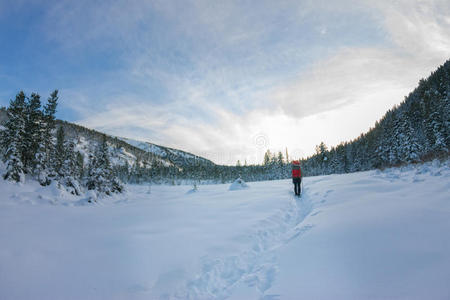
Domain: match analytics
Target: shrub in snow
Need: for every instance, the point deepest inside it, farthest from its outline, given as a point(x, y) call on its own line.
point(238, 184)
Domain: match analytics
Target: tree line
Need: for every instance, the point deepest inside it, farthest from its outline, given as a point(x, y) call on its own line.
point(275, 167)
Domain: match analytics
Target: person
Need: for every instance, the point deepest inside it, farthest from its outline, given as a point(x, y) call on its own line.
point(297, 177)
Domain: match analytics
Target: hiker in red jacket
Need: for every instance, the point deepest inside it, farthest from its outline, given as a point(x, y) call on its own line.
point(296, 177)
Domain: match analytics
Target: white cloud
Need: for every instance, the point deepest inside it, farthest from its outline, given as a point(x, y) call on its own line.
point(420, 33)
point(350, 76)
point(420, 28)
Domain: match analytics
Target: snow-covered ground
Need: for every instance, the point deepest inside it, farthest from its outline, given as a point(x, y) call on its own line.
point(368, 235)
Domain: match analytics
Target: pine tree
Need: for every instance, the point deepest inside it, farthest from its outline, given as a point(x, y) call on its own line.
point(41, 169)
point(59, 154)
point(79, 165)
point(267, 156)
point(280, 159)
point(69, 173)
point(33, 132)
point(47, 149)
point(13, 139)
point(100, 175)
point(437, 123)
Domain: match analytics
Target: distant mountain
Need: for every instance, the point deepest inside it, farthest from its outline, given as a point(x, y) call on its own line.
point(177, 157)
point(129, 151)
point(125, 151)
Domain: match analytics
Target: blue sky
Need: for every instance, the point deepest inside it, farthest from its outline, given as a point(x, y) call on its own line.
point(223, 79)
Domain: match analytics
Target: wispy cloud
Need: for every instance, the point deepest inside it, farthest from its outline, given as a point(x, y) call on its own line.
point(350, 76)
point(210, 76)
point(420, 41)
point(242, 94)
point(420, 28)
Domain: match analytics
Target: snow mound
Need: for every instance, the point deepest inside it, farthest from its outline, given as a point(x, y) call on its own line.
point(193, 190)
point(238, 184)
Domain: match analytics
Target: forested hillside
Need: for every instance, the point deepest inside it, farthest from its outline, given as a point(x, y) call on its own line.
point(416, 130)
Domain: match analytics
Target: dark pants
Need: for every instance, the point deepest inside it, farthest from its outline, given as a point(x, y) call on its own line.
point(297, 188)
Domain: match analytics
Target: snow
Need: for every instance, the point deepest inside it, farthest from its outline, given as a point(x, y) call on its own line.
point(162, 152)
point(238, 184)
point(148, 147)
point(83, 147)
point(122, 157)
point(375, 234)
point(119, 157)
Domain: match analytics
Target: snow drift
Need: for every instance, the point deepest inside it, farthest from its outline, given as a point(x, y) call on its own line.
point(238, 184)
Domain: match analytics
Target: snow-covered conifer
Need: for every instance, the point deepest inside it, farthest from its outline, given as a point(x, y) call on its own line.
point(32, 133)
point(100, 175)
point(59, 154)
point(69, 172)
point(13, 139)
point(48, 128)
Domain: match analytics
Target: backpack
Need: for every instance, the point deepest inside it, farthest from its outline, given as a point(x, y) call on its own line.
point(296, 171)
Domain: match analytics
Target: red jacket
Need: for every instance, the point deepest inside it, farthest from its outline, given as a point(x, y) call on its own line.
point(296, 170)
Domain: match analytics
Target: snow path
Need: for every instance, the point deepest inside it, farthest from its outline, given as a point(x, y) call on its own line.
point(256, 266)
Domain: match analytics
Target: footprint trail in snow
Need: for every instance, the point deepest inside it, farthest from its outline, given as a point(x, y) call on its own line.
point(254, 267)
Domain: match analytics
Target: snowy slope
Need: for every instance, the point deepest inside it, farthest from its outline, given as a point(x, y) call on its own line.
point(365, 235)
point(119, 156)
point(179, 157)
point(146, 146)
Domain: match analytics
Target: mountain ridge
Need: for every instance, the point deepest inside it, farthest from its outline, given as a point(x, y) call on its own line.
point(140, 149)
